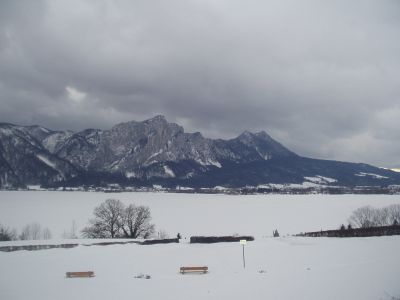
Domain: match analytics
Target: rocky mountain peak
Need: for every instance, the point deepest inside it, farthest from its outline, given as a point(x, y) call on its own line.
point(161, 124)
point(156, 119)
point(263, 144)
point(262, 134)
point(247, 135)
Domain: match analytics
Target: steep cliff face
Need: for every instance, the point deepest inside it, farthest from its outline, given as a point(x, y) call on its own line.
point(156, 151)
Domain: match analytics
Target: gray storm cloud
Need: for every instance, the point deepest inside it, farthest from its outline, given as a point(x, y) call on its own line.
point(320, 77)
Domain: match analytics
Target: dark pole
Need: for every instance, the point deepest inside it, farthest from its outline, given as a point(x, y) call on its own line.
point(244, 260)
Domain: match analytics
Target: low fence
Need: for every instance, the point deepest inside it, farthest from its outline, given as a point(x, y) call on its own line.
point(159, 241)
point(36, 247)
point(355, 232)
point(218, 239)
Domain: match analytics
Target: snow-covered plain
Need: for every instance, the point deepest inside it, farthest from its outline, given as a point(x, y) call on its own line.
point(276, 268)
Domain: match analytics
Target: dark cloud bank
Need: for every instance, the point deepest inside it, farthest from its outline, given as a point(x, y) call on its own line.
point(320, 77)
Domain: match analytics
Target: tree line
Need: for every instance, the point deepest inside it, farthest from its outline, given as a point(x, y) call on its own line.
point(368, 216)
point(32, 231)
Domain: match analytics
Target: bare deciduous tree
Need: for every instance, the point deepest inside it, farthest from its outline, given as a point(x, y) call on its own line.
point(31, 231)
point(394, 214)
point(72, 233)
point(46, 234)
point(136, 222)
point(112, 219)
point(380, 216)
point(107, 220)
point(35, 230)
point(7, 234)
point(362, 217)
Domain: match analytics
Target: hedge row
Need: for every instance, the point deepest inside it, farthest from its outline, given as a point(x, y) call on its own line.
point(218, 239)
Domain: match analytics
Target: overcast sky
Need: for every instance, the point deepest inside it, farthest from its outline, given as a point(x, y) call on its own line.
point(321, 77)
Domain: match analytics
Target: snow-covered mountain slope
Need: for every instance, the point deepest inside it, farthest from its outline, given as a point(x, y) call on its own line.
point(24, 160)
point(158, 152)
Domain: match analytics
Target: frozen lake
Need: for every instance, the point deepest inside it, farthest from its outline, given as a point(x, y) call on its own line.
point(191, 214)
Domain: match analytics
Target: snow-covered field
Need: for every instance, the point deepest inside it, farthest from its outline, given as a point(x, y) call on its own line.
point(276, 268)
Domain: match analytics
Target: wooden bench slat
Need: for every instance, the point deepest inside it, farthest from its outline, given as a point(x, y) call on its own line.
point(80, 274)
point(203, 269)
point(194, 268)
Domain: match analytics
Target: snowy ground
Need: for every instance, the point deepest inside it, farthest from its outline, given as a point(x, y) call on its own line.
point(276, 268)
point(281, 268)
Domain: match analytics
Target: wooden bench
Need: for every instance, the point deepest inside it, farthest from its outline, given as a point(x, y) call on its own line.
point(194, 269)
point(79, 274)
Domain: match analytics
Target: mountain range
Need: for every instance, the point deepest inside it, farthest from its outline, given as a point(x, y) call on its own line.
point(158, 152)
